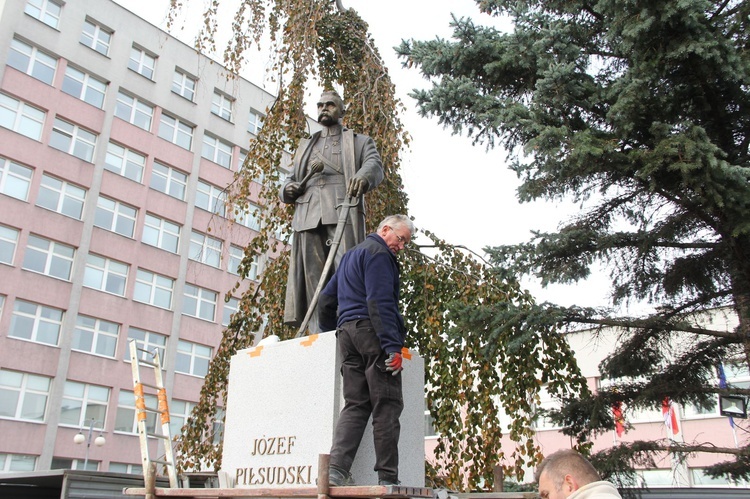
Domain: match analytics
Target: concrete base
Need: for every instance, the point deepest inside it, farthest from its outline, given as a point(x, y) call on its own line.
point(283, 402)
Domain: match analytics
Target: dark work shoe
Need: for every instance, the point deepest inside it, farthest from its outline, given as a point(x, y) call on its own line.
point(387, 481)
point(339, 478)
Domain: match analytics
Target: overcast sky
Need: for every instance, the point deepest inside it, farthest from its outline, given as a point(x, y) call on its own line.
point(463, 193)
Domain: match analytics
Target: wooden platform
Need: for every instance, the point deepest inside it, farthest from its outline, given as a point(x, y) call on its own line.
point(389, 491)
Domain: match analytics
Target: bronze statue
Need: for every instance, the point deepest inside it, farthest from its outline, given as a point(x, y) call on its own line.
point(335, 163)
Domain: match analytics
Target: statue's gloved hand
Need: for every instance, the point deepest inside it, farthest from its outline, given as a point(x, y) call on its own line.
point(394, 363)
point(293, 190)
point(357, 187)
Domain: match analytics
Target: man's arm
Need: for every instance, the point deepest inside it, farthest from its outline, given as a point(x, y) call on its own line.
point(382, 302)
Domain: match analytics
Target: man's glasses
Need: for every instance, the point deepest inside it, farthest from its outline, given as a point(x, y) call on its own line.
point(401, 239)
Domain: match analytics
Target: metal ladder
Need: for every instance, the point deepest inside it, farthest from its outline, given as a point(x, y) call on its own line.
point(149, 465)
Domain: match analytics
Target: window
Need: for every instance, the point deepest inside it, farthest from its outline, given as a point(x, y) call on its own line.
point(125, 419)
point(176, 131)
point(133, 469)
point(83, 403)
point(21, 117)
point(133, 111)
point(125, 162)
point(183, 85)
point(23, 396)
point(48, 257)
point(8, 243)
point(221, 105)
point(199, 302)
point(192, 358)
point(236, 255)
point(247, 217)
point(73, 139)
point(61, 197)
point(96, 336)
point(32, 61)
point(64, 463)
point(429, 425)
point(210, 198)
point(161, 233)
point(146, 340)
point(17, 462)
point(254, 122)
point(105, 274)
point(546, 402)
point(142, 62)
point(84, 86)
point(153, 289)
point(217, 150)
point(115, 216)
point(47, 11)
point(700, 478)
point(96, 37)
point(179, 413)
point(168, 180)
point(37, 323)
point(205, 249)
point(230, 308)
point(15, 179)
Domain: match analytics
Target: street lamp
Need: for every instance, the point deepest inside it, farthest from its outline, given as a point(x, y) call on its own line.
point(80, 438)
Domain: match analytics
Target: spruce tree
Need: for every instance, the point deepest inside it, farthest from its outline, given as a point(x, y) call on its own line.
point(640, 112)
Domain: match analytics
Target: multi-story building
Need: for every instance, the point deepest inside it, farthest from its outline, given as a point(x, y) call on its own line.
point(117, 142)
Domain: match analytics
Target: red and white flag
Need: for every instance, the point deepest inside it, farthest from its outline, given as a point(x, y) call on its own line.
point(670, 416)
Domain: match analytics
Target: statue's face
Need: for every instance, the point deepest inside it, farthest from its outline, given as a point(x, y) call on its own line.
point(329, 109)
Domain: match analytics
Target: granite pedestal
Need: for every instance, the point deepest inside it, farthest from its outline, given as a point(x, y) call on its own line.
point(283, 402)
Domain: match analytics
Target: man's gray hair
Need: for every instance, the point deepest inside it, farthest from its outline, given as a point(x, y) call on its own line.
point(335, 97)
point(567, 462)
point(398, 221)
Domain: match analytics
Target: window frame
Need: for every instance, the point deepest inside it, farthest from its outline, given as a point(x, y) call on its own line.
point(66, 194)
point(24, 391)
point(231, 306)
point(45, 13)
point(42, 316)
point(8, 243)
point(176, 131)
point(101, 338)
point(88, 404)
point(28, 58)
point(126, 409)
point(222, 105)
point(170, 179)
point(199, 302)
point(109, 273)
point(182, 346)
point(160, 230)
point(97, 43)
point(23, 115)
point(118, 212)
point(75, 137)
point(54, 255)
point(181, 87)
point(14, 175)
point(148, 342)
point(205, 249)
point(133, 110)
point(139, 64)
point(153, 286)
point(88, 86)
point(127, 167)
point(215, 197)
point(6, 462)
point(217, 150)
point(255, 122)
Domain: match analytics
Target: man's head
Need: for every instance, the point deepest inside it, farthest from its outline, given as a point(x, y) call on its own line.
point(396, 231)
point(330, 108)
point(564, 472)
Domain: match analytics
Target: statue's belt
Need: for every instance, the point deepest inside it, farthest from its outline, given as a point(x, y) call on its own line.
point(328, 162)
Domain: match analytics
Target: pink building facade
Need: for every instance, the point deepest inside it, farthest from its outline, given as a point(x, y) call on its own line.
point(116, 144)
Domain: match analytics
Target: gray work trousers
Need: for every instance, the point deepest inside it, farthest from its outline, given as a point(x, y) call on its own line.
point(368, 389)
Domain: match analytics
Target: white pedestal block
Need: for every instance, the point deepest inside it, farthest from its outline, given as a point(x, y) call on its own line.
point(283, 402)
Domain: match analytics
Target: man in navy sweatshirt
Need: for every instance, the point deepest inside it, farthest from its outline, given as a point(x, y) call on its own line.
point(361, 303)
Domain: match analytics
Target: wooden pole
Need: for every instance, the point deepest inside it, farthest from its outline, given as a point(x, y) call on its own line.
point(324, 462)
